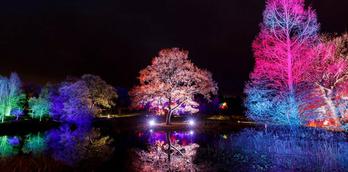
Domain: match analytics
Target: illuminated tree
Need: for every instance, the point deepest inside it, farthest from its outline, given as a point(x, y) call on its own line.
point(169, 84)
point(72, 103)
point(11, 95)
point(283, 55)
point(40, 106)
point(330, 75)
point(103, 95)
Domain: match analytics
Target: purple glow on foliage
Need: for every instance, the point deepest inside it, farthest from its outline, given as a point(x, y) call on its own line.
point(71, 104)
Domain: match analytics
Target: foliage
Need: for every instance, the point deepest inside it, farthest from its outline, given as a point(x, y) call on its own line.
point(11, 95)
point(17, 112)
point(329, 81)
point(264, 106)
point(40, 106)
point(103, 95)
point(169, 85)
point(71, 103)
point(282, 53)
point(80, 99)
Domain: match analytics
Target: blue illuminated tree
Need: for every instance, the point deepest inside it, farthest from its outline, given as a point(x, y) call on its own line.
point(264, 106)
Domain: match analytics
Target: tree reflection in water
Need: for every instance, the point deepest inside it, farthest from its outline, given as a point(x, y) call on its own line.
point(34, 143)
point(79, 147)
point(81, 144)
point(167, 152)
point(8, 146)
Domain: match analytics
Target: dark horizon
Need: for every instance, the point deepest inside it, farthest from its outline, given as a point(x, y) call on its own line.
point(47, 41)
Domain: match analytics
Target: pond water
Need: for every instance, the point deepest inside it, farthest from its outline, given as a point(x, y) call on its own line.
point(250, 149)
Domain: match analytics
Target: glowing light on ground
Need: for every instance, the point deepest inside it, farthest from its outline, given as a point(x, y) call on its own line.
point(192, 122)
point(152, 122)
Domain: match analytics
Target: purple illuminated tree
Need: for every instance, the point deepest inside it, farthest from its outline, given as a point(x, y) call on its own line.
point(168, 86)
point(80, 99)
point(72, 103)
point(283, 55)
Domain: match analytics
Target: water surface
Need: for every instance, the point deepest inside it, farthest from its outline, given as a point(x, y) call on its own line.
point(70, 148)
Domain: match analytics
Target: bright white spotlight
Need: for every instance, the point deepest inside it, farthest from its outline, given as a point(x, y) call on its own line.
point(152, 123)
point(191, 122)
point(191, 132)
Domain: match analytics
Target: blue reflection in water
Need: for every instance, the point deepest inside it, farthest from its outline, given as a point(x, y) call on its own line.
point(277, 149)
point(274, 149)
point(81, 144)
point(65, 144)
point(304, 149)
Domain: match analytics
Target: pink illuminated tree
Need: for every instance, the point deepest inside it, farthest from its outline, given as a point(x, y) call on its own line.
point(330, 77)
point(169, 85)
point(283, 57)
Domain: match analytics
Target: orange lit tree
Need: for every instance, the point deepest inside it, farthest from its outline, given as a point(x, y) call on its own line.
point(168, 86)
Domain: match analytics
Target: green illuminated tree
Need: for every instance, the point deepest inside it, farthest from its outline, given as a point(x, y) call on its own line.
point(40, 106)
point(11, 95)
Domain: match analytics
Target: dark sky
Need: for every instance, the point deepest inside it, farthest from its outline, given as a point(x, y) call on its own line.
point(49, 39)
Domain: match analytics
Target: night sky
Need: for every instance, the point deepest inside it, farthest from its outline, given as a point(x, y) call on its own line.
point(49, 39)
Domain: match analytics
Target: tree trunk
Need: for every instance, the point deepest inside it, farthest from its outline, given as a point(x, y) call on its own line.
point(169, 148)
point(8, 111)
point(168, 117)
point(328, 95)
point(290, 81)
